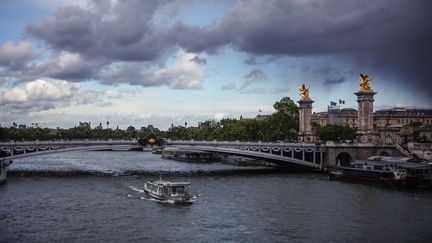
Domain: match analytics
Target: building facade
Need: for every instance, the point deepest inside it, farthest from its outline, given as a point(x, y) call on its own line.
point(395, 125)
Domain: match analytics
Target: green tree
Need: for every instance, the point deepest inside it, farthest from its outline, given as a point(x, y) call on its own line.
point(283, 124)
point(335, 133)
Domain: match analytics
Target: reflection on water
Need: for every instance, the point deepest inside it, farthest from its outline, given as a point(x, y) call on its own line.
point(115, 163)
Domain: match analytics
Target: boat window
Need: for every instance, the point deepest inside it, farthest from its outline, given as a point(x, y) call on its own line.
point(152, 187)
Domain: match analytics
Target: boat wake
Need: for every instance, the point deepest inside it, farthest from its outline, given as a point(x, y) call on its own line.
point(168, 201)
point(136, 189)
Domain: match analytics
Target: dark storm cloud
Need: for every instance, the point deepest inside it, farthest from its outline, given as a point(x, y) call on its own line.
point(199, 60)
point(389, 37)
point(252, 77)
point(120, 32)
point(72, 67)
point(301, 28)
point(330, 81)
point(386, 37)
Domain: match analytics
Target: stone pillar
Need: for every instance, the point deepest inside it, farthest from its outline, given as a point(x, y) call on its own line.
point(365, 122)
point(306, 135)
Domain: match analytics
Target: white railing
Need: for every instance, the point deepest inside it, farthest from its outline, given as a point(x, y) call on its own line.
point(236, 143)
point(69, 142)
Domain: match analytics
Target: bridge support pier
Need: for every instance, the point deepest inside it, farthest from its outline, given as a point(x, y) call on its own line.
point(346, 153)
point(306, 135)
point(366, 133)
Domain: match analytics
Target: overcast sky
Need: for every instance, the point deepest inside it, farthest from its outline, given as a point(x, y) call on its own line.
point(136, 62)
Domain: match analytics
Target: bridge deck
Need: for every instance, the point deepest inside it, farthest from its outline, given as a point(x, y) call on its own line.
point(253, 154)
point(63, 150)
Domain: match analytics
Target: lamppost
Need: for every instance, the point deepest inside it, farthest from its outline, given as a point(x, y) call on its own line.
point(37, 133)
point(14, 127)
point(99, 130)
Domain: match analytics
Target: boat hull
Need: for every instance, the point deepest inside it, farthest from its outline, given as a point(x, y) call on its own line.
point(177, 200)
point(337, 175)
point(174, 199)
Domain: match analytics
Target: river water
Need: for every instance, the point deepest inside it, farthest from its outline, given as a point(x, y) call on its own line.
point(97, 197)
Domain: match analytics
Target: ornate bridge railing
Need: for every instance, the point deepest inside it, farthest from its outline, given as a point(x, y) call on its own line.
point(21, 147)
point(297, 151)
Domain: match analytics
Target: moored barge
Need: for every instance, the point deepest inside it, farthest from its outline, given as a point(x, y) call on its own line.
point(370, 173)
point(408, 171)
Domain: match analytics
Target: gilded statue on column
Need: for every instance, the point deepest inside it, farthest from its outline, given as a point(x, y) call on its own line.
point(364, 83)
point(304, 92)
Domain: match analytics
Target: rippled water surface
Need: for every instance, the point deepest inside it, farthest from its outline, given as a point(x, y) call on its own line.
point(96, 196)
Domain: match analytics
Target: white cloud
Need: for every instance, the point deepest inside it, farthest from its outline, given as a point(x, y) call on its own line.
point(16, 54)
point(66, 59)
point(184, 73)
point(40, 95)
point(219, 116)
point(39, 90)
point(69, 66)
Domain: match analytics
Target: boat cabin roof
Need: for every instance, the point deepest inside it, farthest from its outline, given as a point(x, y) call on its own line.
point(396, 159)
point(169, 183)
point(394, 162)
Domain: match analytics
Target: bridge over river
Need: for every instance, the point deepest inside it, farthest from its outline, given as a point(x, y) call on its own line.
point(298, 155)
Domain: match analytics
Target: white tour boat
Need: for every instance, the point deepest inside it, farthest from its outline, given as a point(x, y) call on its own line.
point(176, 192)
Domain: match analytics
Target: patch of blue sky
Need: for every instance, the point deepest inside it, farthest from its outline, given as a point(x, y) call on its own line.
point(14, 16)
point(204, 13)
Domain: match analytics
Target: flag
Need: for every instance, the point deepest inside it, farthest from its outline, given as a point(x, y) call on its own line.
point(342, 102)
point(333, 103)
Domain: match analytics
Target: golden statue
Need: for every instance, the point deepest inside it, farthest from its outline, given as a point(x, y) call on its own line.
point(304, 92)
point(364, 83)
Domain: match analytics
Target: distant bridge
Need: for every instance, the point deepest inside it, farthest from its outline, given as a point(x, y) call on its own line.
point(15, 150)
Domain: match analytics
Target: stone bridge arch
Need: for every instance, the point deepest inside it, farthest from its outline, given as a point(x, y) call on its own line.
point(344, 159)
point(341, 155)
